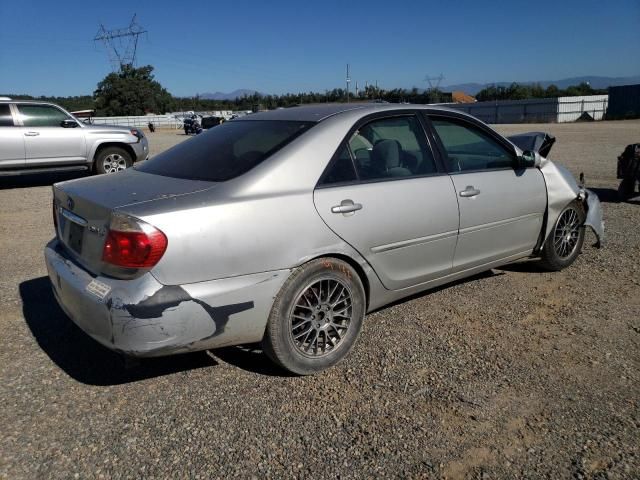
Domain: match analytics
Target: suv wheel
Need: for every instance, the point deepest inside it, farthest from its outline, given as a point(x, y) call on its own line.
point(112, 160)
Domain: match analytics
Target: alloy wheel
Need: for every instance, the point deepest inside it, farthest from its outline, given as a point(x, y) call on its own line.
point(321, 317)
point(114, 163)
point(567, 233)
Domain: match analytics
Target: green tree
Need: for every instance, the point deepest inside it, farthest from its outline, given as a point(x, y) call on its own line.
point(131, 91)
point(552, 91)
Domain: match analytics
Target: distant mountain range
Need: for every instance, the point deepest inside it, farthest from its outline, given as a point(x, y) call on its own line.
point(227, 96)
point(594, 81)
point(473, 88)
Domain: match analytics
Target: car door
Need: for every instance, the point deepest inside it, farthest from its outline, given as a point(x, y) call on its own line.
point(501, 204)
point(11, 140)
point(47, 142)
point(385, 195)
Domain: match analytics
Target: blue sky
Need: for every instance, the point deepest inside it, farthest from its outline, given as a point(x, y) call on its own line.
point(46, 47)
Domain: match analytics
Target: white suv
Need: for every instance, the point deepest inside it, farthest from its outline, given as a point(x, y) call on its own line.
point(37, 136)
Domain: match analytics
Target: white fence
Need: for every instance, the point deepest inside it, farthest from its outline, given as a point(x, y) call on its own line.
point(554, 110)
point(173, 120)
point(571, 108)
point(140, 121)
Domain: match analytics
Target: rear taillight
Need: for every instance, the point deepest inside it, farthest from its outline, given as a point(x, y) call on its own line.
point(132, 243)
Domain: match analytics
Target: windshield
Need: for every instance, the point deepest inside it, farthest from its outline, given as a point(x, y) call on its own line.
point(226, 151)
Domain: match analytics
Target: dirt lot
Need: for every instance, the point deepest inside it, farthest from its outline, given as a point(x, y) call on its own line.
point(516, 373)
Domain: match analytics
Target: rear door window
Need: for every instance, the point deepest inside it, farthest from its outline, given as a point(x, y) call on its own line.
point(6, 120)
point(341, 171)
point(391, 148)
point(226, 151)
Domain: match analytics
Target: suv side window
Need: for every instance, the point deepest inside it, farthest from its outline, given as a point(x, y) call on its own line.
point(41, 115)
point(469, 148)
point(6, 120)
point(391, 148)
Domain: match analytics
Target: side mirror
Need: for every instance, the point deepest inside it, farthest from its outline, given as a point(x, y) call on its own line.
point(529, 159)
point(68, 123)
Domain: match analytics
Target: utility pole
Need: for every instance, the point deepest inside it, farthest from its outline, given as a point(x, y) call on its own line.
point(348, 82)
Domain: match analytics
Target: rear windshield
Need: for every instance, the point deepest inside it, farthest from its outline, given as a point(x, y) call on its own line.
point(226, 151)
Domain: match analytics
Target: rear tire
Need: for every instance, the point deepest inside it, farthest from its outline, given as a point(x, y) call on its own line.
point(626, 189)
point(112, 160)
point(316, 317)
point(564, 243)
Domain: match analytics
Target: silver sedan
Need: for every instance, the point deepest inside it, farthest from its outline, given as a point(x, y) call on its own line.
point(287, 227)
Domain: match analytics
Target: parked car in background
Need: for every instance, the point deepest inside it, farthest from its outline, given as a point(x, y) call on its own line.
point(628, 171)
point(192, 125)
point(38, 136)
point(286, 227)
point(211, 121)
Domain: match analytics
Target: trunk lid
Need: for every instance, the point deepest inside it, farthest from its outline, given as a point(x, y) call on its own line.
point(83, 207)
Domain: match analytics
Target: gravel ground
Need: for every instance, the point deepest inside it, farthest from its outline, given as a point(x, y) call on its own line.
point(516, 373)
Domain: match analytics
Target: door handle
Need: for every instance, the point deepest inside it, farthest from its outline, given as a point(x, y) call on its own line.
point(31, 134)
point(470, 191)
point(346, 206)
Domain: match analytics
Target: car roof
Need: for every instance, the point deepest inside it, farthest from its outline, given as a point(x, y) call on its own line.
point(322, 111)
point(36, 102)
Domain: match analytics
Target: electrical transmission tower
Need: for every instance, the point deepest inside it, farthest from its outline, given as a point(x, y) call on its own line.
point(434, 82)
point(121, 44)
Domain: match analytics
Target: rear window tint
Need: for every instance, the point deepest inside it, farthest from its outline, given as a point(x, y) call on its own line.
point(226, 151)
point(6, 120)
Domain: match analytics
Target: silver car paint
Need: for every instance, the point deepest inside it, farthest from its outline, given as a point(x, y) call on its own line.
point(53, 145)
point(503, 219)
point(12, 153)
point(381, 233)
point(58, 146)
point(142, 317)
point(563, 189)
point(226, 245)
point(595, 217)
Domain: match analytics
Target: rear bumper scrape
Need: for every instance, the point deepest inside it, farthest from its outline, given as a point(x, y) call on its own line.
point(171, 296)
point(144, 318)
point(594, 216)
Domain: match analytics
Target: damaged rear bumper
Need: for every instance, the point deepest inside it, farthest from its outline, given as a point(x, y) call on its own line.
point(144, 318)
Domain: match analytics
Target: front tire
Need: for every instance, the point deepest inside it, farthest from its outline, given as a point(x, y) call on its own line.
point(565, 240)
point(112, 160)
point(316, 317)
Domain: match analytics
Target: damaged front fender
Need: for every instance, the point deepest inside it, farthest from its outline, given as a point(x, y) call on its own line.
point(562, 189)
point(594, 216)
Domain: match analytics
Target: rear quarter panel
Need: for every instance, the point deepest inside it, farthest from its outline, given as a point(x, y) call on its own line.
point(237, 236)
